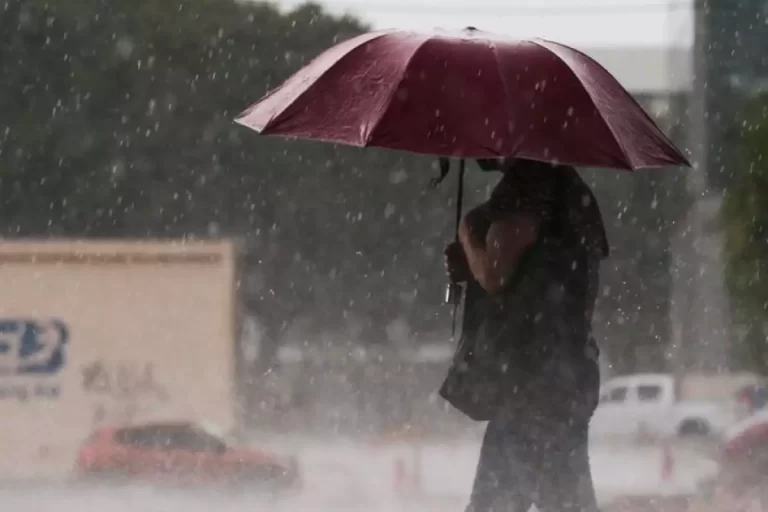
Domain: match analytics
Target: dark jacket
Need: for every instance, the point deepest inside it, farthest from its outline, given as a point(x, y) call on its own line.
point(542, 321)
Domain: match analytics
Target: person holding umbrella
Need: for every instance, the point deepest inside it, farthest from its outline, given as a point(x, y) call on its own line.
point(531, 254)
point(534, 249)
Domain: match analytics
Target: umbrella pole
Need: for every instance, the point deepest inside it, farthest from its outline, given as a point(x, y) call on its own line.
point(460, 196)
point(456, 290)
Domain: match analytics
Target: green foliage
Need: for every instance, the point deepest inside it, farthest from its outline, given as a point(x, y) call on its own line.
point(745, 222)
point(110, 107)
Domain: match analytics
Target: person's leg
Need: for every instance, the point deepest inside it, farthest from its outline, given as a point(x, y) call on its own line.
point(565, 481)
point(566, 484)
point(499, 485)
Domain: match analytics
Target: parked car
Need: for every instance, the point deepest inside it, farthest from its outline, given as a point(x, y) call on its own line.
point(651, 405)
point(180, 453)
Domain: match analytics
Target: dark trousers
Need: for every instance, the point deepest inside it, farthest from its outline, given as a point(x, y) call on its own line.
point(535, 452)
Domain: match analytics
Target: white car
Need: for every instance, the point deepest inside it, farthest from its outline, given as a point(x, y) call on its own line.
point(648, 405)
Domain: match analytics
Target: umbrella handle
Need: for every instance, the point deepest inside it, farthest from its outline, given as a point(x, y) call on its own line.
point(460, 196)
point(455, 289)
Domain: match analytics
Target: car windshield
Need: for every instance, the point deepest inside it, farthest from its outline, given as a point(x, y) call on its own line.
point(213, 430)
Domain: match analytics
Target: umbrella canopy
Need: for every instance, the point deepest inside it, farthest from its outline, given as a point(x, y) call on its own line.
point(469, 94)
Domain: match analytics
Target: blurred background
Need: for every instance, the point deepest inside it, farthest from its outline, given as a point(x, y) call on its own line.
point(116, 127)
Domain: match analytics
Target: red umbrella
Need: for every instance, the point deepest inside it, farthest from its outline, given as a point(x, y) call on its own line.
point(470, 94)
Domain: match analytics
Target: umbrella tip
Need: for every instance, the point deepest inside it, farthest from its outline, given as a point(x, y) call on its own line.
point(471, 29)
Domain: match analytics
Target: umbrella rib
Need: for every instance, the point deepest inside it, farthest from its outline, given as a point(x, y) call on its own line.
point(391, 94)
point(279, 116)
point(645, 114)
point(505, 87)
point(616, 139)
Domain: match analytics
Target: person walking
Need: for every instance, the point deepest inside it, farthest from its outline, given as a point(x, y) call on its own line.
point(530, 257)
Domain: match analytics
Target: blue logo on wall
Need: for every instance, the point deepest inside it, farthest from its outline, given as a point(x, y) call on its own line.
point(32, 348)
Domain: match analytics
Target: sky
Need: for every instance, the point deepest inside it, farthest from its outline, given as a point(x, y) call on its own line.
point(586, 23)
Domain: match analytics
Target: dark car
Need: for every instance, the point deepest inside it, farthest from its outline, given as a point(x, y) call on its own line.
point(180, 453)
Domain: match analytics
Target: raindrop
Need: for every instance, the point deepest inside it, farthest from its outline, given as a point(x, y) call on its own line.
point(124, 47)
point(397, 177)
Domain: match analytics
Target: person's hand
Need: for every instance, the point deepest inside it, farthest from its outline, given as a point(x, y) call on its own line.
point(456, 265)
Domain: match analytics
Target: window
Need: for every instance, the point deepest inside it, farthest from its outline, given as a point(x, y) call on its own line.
point(197, 440)
point(648, 392)
point(615, 395)
point(129, 436)
point(150, 438)
point(170, 437)
point(132, 436)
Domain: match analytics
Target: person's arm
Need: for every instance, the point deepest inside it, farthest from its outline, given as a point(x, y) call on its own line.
point(495, 259)
point(519, 205)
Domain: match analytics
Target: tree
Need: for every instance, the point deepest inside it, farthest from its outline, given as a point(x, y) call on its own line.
point(116, 119)
point(745, 224)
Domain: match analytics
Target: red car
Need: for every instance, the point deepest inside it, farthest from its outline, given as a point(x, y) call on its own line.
point(742, 480)
point(179, 453)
